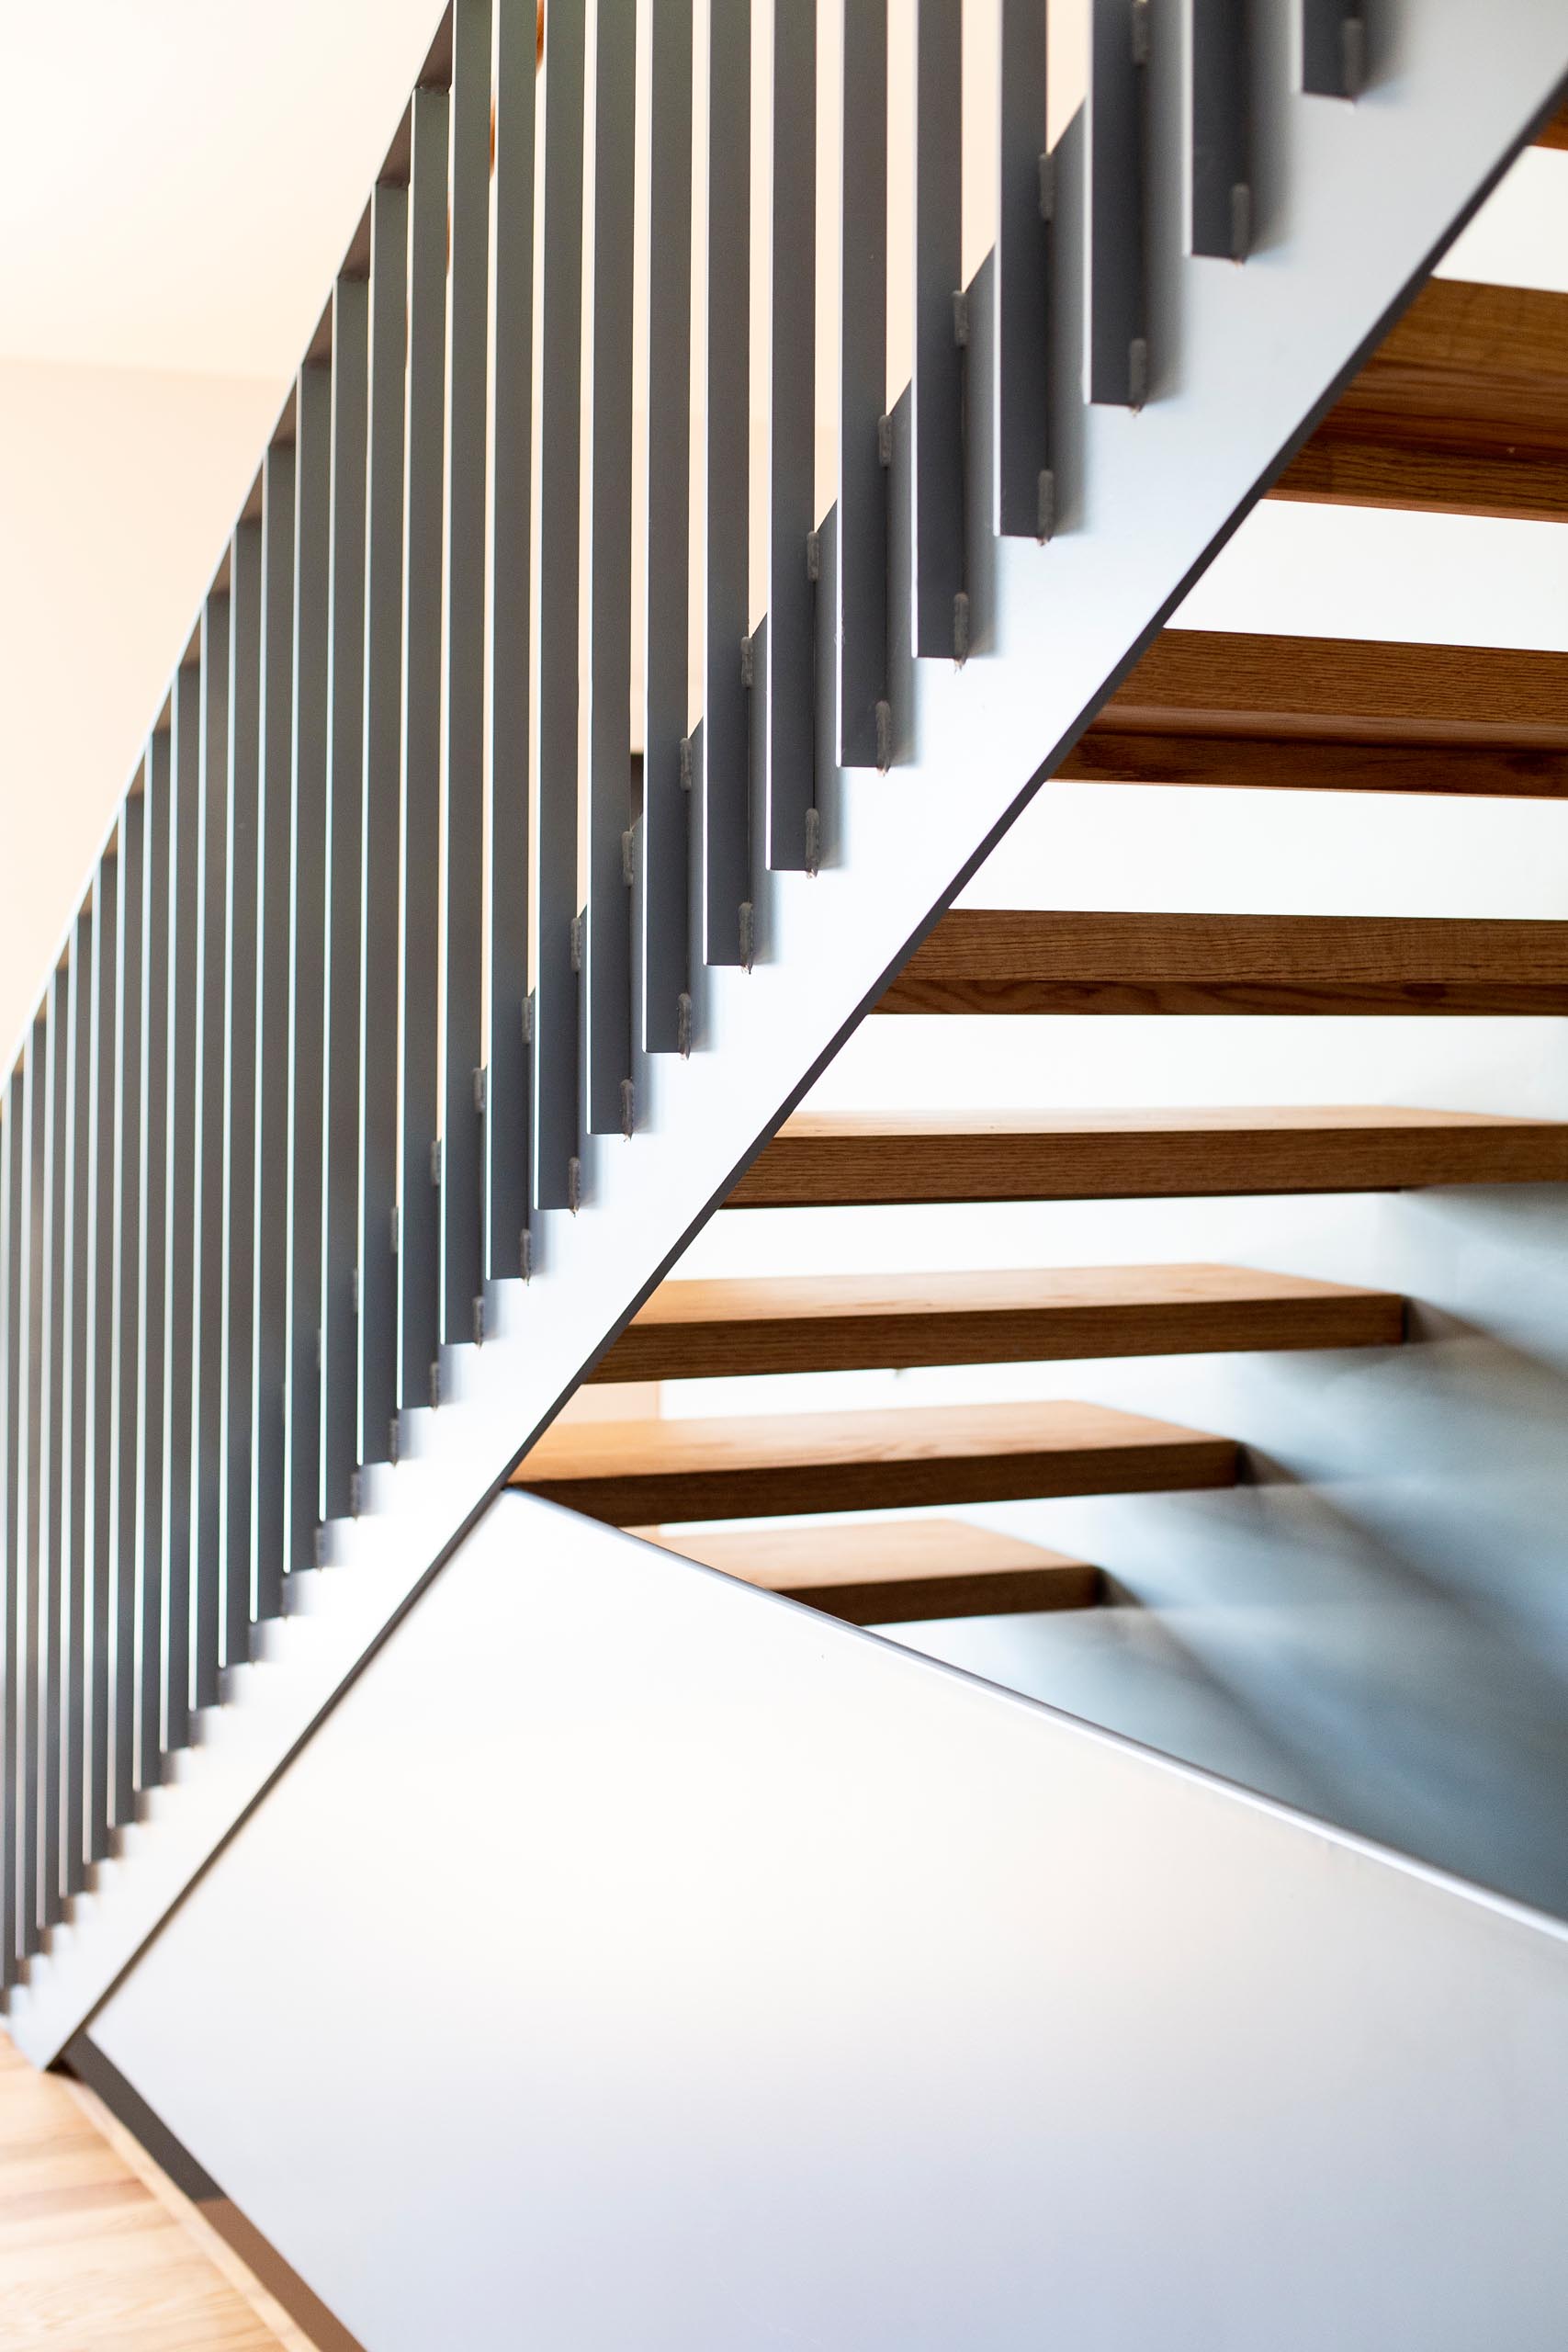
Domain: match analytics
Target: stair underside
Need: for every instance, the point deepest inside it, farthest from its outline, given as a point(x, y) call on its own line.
point(984, 961)
point(880, 1572)
point(1215, 707)
point(821, 1160)
point(846, 1323)
point(632, 1473)
point(1462, 410)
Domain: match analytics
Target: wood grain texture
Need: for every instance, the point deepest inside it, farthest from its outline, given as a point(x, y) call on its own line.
point(856, 1323)
point(1462, 410)
point(883, 1572)
point(1107, 755)
point(1556, 131)
point(820, 1159)
point(984, 961)
point(776, 1466)
point(91, 2260)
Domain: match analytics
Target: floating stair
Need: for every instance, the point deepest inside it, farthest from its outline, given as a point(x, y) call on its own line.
point(1333, 714)
point(880, 1572)
point(977, 961)
point(1462, 410)
point(824, 1160)
point(632, 1473)
point(854, 1322)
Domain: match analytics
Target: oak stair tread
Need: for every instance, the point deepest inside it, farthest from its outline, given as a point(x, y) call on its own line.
point(778, 1466)
point(1462, 409)
point(854, 1322)
point(842, 1158)
point(981, 960)
point(880, 1572)
point(1239, 708)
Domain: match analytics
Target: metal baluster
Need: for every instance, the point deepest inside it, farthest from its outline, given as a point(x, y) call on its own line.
point(663, 865)
point(274, 836)
point(376, 1326)
point(555, 1136)
point(103, 1449)
point(211, 1341)
point(182, 1194)
point(790, 779)
point(129, 1121)
point(1334, 47)
point(509, 660)
point(151, 1538)
point(607, 933)
point(313, 550)
point(1116, 338)
point(726, 779)
point(242, 938)
point(1026, 490)
point(30, 1656)
point(80, 1437)
point(344, 852)
point(862, 623)
point(1219, 162)
point(12, 1491)
point(937, 385)
point(420, 857)
point(463, 729)
point(54, 1532)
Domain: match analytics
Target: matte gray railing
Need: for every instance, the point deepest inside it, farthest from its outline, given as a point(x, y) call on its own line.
point(397, 901)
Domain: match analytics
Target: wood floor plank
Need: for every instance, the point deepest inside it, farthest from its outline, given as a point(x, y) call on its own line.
point(822, 1159)
point(851, 1322)
point(1463, 409)
point(980, 960)
point(881, 1572)
point(762, 1465)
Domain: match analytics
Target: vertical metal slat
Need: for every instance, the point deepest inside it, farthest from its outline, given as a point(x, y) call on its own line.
point(242, 937)
point(725, 776)
point(130, 1072)
point(377, 1332)
point(463, 716)
point(419, 1031)
point(663, 865)
point(54, 1532)
point(1334, 47)
point(211, 1344)
point(182, 1194)
point(789, 735)
point(103, 1449)
point(607, 937)
point(312, 551)
point(344, 852)
point(860, 632)
point(1116, 334)
point(1024, 490)
point(12, 1494)
point(508, 636)
point(80, 1435)
point(556, 1129)
point(937, 385)
point(31, 1455)
point(1220, 191)
point(274, 837)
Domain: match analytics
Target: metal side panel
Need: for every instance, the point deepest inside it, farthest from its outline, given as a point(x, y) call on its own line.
point(182, 1191)
point(724, 783)
point(80, 1437)
point(243, 943)
point(103, 1452)
point(804, 1978)
point(210, 1434)
point(130, 1085)
point(53, 1481)
point(1363, 196)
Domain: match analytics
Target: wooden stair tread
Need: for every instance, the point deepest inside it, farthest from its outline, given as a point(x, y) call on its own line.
point(875, 1572)
point(1220, 708)
point(1463, 409)
point(780, 1464)
point(1028, 961)
point(820, 1159)
point(854, 1322)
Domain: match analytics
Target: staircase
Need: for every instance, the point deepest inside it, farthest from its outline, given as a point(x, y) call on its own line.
point(422, 1008)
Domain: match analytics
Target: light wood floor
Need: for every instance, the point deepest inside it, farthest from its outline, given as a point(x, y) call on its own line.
point(98, 2251)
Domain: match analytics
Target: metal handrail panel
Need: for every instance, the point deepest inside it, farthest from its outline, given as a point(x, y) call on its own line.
point(12, 1423)
point(211, 1345)
point(30, 1655)
point(789, 775)
point(1023, 503)
point(79, 1430)
point(418, 1033)
point(377, 1260)
point(607, 588)
point(343, 837)
point(242, 944)
point(726, 845)
point(936, 386)
point(463, 669)
point(103, 1449)
point(1116, 350)
point(181, 1195)
point(54, 1480)
point(128, 1118)
point(508, 639)
point(861, 630)
point(151, 1371)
